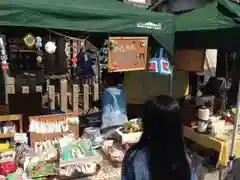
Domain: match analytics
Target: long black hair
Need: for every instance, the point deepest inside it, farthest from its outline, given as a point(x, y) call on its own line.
point(163, 135)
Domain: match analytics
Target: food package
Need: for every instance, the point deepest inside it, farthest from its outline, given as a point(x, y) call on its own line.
point(78, 171)
point(7, 167)
point(42, 164)
point(113, 152)
point(15, 175)
point(9, 127)
point(21, 151)
point(7, 164)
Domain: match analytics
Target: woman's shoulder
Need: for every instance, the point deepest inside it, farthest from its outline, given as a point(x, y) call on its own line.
point(135, 154)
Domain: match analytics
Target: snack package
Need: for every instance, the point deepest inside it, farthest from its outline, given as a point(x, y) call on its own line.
point(42, 164)
point(114, 153)
point(9, 127)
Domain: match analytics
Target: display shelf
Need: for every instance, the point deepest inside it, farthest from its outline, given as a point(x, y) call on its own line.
point(6, 135)
point(12, 117)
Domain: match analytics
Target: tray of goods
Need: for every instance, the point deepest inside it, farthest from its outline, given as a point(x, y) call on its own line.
point(131, 131)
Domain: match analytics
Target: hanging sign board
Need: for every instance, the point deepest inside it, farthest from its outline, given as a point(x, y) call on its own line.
point(127, 53)
point(189, 60)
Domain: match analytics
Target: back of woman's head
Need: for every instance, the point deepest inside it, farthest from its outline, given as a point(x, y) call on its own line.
point(163, 135)
point(162, 117)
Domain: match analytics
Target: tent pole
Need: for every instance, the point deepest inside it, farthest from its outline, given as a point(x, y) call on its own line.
point(170, 82)
point(235, 130)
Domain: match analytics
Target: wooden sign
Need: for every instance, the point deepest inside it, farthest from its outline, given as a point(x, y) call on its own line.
point(53, 118)
point(189, 60)
point(127, 53)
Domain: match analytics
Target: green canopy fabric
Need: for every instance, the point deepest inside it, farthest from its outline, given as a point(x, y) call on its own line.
point(103, 16)
point(215, 25)
point(209, 17)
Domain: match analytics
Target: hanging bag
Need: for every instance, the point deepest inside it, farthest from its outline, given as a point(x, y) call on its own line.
point(160, 64)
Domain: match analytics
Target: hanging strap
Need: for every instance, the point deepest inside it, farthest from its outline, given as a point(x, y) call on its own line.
point(159, 53)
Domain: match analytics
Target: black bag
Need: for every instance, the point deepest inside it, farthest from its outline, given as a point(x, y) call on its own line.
point(214, 87)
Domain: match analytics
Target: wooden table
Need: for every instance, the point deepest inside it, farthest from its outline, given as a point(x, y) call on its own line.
point(221, 146)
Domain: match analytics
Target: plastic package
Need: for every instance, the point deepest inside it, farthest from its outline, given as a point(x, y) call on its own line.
point(113, 107)
point(93, 134)
point(9, 127)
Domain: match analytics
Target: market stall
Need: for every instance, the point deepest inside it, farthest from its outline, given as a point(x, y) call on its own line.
point(57, 148)
point(215, 127)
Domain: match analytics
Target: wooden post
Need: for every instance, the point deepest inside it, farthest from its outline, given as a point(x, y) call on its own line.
point(75, 97)
point(95, 91)
point(85, 97)
point(51, 96)
point(63, 95)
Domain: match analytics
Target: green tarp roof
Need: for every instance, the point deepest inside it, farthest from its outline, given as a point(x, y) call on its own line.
point(105, 16)
point(216, 15)
point(215, 25)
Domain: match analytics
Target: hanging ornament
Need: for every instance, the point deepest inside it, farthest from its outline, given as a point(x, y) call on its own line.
point(5, 67)
point(113, 44)
point(50, 47)
point(74, 65)
point(38, 42)
point(74, 60)
point(39, 59)
point(29, 40)
point(142, 44)
point(3, 57)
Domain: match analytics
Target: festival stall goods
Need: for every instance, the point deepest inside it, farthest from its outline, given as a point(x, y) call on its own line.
point(7, 163)
point(93, 134)
point(131, 132)
point(8, 127)
point(42, 164)
point(52, 127)
point(20, 138)
point(21, 151)
point(77, 158)
point(114, 152)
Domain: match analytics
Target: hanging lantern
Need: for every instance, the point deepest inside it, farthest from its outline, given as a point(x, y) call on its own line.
point(50, 47)
point(29, 40)
point(74, 60)
point(5, 67)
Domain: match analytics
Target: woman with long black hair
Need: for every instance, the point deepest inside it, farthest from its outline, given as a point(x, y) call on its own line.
point(160, 153)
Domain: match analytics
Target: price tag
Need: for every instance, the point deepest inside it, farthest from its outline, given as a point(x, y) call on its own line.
point(25, 89)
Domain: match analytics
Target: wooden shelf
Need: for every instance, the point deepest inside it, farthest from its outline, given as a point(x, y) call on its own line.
point(12, 117)
point(6, 135)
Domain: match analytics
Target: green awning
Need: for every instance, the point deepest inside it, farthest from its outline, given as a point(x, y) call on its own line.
point(215, 25)
point(209, 17)
point(98, 16)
